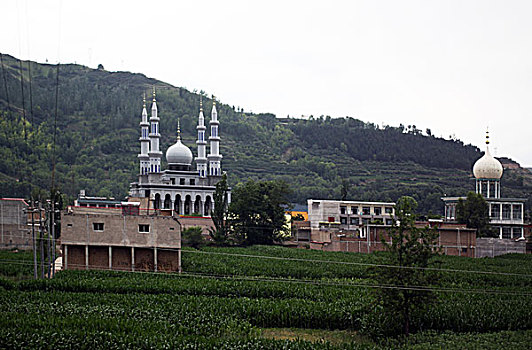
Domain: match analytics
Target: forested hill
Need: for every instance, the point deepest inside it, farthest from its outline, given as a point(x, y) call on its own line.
point(98, 129)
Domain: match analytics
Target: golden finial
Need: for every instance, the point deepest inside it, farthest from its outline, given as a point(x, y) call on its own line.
point(487, 137)
point(153, 93)
point(178, 131)
point(214, 100)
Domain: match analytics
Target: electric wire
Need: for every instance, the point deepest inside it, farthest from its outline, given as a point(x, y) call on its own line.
point(300, 281)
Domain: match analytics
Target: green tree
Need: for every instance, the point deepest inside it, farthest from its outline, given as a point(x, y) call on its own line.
point(220, 233)
point(473, 212)
point(411, 249)
point(192, 237)
point(257, 211)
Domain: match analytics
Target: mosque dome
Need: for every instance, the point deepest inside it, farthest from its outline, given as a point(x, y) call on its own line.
point(178, 153)
point(487, 167)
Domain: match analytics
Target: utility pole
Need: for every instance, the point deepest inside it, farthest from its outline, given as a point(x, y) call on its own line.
point(41, 239)
point(49, 255)
point(33, 239)
point(53, 235)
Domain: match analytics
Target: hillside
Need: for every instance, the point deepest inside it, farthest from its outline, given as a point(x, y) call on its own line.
point(97, 142)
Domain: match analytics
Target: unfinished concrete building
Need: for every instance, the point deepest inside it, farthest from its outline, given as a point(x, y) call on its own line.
point(107, 238)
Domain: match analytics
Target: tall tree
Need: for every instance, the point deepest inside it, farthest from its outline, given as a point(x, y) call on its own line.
point(474, 213)
point(258, 211)
point(220, 232)
point(411, 249)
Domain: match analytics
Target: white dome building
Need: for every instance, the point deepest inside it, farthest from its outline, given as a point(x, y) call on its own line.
point(182, 188)
point(488, 172)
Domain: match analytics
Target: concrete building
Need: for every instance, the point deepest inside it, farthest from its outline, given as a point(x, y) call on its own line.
point(181, 188)
point(453, 239)
point(106, 238)
point(15, 230)
point(506, 214)
point(351, 216)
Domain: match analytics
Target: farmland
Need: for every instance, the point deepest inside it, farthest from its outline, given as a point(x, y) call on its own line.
point(269, 297)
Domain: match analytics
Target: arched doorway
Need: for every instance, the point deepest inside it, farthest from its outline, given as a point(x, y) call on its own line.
point(197, 205)
point(208, 206)
point(167, 202)
point(188, 205)
point(177, 204)
point(157, 201)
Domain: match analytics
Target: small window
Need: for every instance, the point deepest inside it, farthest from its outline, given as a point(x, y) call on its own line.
point(69, 225)
point(343, 210)
point(181, 181)
point(377, 210)
point(171, 228)
point(172, 180)
point(143, 228)
point(97, 226)
point(365, 211)
point(192, 182)
point(464, 250)
point(388, 210)
point(354, 210)
point(355, 221)
point(343, 220)
point(389, 222)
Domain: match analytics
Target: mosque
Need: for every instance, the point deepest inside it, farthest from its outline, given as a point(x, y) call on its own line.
point(180, 188)
point(506, 214)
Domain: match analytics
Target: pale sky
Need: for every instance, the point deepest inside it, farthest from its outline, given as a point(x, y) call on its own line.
point(455, 67)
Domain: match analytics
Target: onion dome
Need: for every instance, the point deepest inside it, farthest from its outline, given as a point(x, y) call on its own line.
point(178, 153)
point(487, 167)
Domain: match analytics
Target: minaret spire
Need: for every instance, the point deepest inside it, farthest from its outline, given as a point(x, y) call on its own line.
point(155, 153)
point(144, 139)
point(201, 159)
point(214, 156)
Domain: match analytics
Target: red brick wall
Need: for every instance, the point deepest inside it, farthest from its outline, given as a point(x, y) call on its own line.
point(75, 257)
point(144, 259)
point(98, 258)
point(121, 258)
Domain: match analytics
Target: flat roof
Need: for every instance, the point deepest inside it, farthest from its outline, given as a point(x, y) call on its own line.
point(351, 202)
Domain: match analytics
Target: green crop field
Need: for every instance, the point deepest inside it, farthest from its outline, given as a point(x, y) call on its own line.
point(261, 297)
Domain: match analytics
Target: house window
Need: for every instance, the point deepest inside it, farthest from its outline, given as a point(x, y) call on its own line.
point(181, 181)
point(365, 211)
point(172, 180)
point(144, 228)
point(506, 209)
point(354, 210)
point(389, 222)
point(506, 232)
point(516, 212)
point(97, 226)
point(517, 232)
point(377, 210)
point(343, 210)
point(192, 182)
point(343, 220)
point(388, 210)
point(464, 250)
point(355, 221)
point(495, 211)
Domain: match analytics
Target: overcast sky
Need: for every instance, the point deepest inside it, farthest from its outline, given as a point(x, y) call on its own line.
point(455, 67)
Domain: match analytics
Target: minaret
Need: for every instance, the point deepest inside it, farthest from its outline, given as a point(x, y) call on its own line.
point(144, 140)
point(201, 159)
point(214, 155)
point(155, 153)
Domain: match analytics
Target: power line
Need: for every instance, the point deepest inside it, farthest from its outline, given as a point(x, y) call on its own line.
point(302, 281)
point(437, 269)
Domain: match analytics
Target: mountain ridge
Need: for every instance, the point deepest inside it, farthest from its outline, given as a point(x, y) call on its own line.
point(97, 142)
